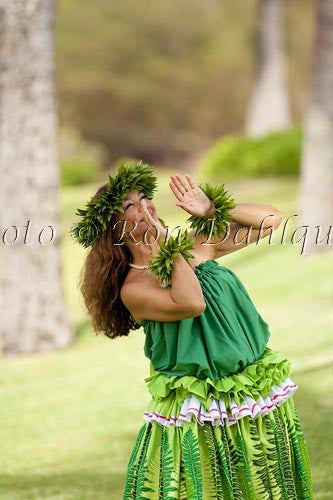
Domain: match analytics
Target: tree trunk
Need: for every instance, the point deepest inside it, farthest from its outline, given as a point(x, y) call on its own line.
point(269, 104)
point(316, 186)
point(33, 313)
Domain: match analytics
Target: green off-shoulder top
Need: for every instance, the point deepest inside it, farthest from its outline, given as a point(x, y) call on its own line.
point(228, 336)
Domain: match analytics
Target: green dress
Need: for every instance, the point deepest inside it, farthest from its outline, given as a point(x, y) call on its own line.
point(221, 423)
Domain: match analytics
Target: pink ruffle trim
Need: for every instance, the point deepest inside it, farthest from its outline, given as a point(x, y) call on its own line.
point(218, 414)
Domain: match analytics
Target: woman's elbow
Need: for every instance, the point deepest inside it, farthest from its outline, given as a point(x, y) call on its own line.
point(201, 306)
point(277, 218)
point(274, 218)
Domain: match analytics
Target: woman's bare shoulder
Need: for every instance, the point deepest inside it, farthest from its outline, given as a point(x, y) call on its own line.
point(145, 297)
point(138, 280)
point(138, 277)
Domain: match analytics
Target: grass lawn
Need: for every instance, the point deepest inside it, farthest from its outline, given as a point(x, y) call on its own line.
point(69, 419)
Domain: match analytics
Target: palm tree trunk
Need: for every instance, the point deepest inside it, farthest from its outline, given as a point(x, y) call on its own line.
point(268, 108)
point(316, 186)
point(33, 312)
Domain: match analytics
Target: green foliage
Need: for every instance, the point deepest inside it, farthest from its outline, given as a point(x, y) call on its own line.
point(98, 211)
point(80, 160)
point(79, 171)
point(161, 266)
point(223, 202)
point(143, 82)
point(136, 78)
point(277, 153)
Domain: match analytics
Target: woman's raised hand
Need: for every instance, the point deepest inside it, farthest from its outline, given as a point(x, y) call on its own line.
point(190, 197)
point(152, 220)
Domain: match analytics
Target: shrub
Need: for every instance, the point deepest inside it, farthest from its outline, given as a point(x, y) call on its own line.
point(79, 171)
point(277, 153)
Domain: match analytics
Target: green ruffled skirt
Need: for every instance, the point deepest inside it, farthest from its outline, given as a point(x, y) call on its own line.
point(247, 444)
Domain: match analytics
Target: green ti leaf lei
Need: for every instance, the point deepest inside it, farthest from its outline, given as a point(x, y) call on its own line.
point(223, 202)
point(98, 212)
point(161, 266)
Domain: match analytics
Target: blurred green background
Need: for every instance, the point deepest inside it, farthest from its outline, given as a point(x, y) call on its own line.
point(164, 81)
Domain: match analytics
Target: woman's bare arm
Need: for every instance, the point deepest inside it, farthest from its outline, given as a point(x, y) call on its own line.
point(149, 300)
point(250, 223)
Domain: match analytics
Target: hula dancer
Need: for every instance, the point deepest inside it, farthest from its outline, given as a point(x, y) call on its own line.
point(221, 423)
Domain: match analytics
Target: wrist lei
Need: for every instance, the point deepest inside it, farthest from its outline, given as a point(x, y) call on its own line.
point(223, 202)
point(161, 266)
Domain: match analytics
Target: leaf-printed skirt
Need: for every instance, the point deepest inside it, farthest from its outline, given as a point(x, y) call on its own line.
point(235, 438)
point(261, 458)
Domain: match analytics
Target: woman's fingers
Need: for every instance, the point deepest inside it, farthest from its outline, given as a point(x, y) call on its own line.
point(183, 185)
point(175, 191)
point(184, 182)
point(151, 218)
point(146, 211)
point(148, 216)
point(178, 184)
point(191, 182)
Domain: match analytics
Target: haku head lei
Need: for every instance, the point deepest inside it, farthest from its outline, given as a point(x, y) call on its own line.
point(98, 212)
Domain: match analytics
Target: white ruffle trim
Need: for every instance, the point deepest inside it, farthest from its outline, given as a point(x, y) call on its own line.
point(217, 412)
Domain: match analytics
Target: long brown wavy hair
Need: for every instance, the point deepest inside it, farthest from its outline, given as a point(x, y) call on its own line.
point(101, 279)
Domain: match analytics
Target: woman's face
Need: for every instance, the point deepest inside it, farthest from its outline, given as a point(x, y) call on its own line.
point(133, 211)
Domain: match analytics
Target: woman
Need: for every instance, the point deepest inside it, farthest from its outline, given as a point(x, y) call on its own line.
point(221, 423)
